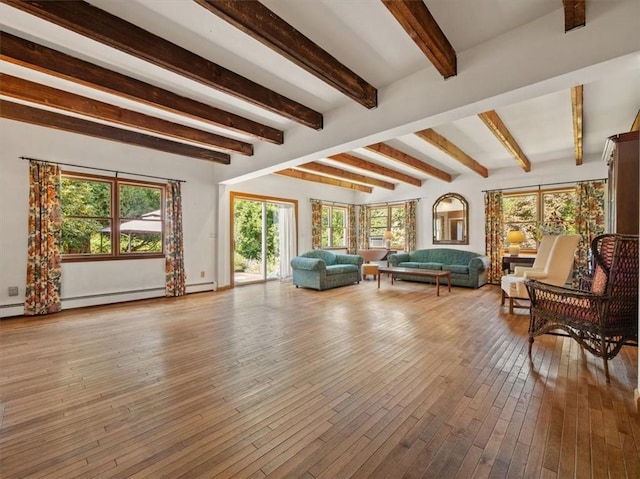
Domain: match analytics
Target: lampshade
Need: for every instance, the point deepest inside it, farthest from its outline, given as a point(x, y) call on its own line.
point(514, 238)
point(387, 235)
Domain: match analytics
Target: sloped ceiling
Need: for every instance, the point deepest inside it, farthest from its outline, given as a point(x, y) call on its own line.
point(512, 59)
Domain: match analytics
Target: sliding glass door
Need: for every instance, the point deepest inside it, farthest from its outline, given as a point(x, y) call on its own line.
point(263, 238)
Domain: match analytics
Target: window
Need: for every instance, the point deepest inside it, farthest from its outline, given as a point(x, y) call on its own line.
point(388, 218)
point(109, 218)
point(539, 212)
point(334, 227)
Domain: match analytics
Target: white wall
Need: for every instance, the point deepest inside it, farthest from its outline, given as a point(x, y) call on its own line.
point(105, 281)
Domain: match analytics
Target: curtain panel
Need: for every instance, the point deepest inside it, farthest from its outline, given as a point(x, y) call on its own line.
point(173, 242)
point(410, 208)
point(287, 239)
point(316, 224)
point(590, 221)
point(353, 232)
point(42, 292)
point(493, 227)
point(363, 231)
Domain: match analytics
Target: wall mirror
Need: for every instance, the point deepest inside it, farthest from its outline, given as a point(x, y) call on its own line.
point(451, 220)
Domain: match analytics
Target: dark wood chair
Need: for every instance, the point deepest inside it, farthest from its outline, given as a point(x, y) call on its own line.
point(602, 313)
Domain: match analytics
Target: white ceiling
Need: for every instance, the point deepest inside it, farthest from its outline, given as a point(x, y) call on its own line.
point(364, 36)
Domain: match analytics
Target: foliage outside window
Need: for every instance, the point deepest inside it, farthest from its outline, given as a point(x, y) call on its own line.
point(334, 226)
point(538, 213)
point(108, 218)
point(388, 218)
point(251, 217)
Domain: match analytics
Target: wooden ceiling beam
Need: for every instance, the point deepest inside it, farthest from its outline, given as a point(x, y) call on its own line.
point(303, 175)
point(575, 14)
point(49, 119)
point(401, 157)
point(635, 126)
point(576, 110)
point(263, 25)
point(498, 128)
point(417, 21)
point(29, 91)
point(99, 25)
point(344, 174)
point(356, 162)
point(431, 136)
point(46, 60)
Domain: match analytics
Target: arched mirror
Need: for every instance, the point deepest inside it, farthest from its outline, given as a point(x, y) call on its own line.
point(451, 220)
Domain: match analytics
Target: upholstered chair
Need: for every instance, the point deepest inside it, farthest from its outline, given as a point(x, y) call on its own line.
point(560, 251)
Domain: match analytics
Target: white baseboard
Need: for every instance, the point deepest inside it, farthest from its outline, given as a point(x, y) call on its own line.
point(17, 309)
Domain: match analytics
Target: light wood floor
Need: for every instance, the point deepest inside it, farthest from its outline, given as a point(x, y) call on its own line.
point(274, 381)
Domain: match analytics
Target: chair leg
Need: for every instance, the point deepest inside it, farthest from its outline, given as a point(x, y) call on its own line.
point(510, 305)
point(502, 298)
point(530, 344)
point(603, 345)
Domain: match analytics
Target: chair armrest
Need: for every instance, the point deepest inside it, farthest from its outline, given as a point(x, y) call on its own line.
point(397, 258)
point(521, 270)
point(349, 259)
point(535, 274)
point(539, 290)
point(311, 264)
point(553, 306)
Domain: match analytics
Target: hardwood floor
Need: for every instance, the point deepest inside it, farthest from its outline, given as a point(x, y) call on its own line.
point(274, 381)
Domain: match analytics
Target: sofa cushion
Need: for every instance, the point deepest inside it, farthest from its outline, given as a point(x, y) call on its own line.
point(432, 265)
point(341, 268)
point(456, 268)
point(417, 264)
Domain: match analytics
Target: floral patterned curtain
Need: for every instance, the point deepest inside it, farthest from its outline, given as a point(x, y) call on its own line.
point(45, 236)
point(410, 229)
point(316, 224)
point(493, 234)
point(590, 220)
point(363, 231)
point(352, 235)
point(173, 241)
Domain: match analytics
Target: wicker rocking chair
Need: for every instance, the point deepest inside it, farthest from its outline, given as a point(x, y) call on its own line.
point(602, 313)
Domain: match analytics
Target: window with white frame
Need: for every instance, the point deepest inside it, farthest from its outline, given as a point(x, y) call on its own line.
point(335, 223)
point(388, 218)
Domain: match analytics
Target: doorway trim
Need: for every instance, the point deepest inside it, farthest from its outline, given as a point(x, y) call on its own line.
point(233, 195)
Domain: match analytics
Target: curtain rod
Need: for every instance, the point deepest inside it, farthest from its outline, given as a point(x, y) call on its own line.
point(364, 204)
point(395, 202)
point(103, 169)
point(331, 202)
point(545, 184)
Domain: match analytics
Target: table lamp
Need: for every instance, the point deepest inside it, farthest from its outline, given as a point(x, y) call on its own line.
point(514, 238)
point(387, 237)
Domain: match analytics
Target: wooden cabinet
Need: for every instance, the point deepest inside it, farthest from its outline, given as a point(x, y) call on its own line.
point(622, 155)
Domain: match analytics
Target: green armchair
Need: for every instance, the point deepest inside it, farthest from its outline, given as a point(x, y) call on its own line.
point(320, 269)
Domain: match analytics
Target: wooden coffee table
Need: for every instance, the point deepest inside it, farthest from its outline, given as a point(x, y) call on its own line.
point(432, 273)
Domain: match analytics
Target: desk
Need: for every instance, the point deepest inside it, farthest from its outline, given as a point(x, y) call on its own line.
point(510, 262)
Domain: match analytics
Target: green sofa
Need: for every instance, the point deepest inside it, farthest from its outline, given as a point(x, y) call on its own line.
point(320, 269)
point(467, 268)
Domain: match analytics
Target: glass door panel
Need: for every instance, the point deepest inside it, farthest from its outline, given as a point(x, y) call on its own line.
point(257, 240)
